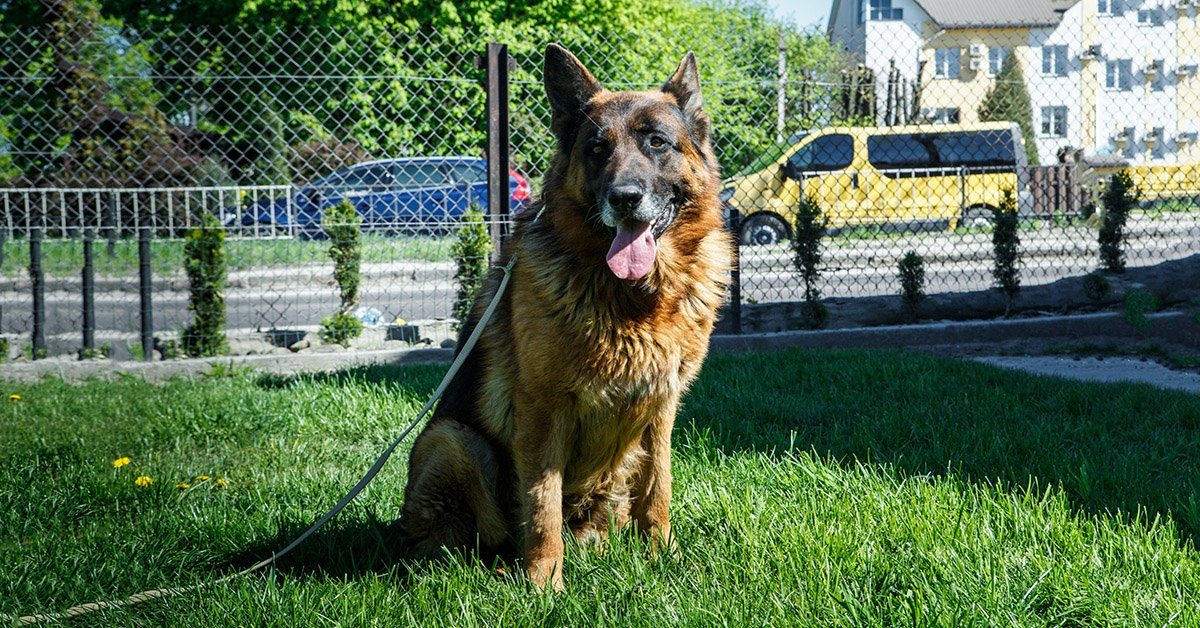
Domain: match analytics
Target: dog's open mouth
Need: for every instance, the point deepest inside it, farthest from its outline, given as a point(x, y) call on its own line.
point(632, 253)
point(635, 246)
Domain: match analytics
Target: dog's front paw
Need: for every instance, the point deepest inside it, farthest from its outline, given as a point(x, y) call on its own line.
point(545, 574)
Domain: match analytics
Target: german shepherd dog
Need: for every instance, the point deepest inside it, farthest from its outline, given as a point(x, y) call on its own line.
point(563, 413)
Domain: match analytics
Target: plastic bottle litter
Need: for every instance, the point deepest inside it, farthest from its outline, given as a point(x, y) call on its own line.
point(368, 315)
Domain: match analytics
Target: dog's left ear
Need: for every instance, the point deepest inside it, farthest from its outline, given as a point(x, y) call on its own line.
point(684, 85)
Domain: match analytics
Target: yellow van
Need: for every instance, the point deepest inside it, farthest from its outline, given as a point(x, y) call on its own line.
point(897, 175)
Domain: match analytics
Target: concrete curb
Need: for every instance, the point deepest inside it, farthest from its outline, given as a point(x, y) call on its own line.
point(1174, 327)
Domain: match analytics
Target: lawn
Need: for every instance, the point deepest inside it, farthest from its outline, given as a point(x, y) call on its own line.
point(65, 257)
point(812, 488)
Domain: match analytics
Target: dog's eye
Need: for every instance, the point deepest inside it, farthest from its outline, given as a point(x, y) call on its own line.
point(598, 148)
point(657, 141)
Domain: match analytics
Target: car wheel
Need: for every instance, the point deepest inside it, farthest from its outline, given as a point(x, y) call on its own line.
point(977, 217)
point(760, 229)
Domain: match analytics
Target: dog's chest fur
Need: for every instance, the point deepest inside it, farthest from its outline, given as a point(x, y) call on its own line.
point(602, 358)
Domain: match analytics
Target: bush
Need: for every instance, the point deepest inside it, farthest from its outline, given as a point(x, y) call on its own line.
point(344, 227)
point(912, 282)
point(205, 264)
point(340, 329)
point(1006, 243)
point(806, 255)
point(1139, 303)
point(471, 251)
point(1096, 286)
point(1120, 196)
point(4, 349)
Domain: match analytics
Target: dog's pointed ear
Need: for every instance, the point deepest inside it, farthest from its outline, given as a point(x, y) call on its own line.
point(684, 85)
point(569, 86)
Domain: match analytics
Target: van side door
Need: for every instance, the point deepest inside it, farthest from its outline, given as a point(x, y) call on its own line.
point(821, 169)
point(914, 184)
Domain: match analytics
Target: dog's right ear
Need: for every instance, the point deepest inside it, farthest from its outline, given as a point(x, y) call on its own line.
point(569, 86)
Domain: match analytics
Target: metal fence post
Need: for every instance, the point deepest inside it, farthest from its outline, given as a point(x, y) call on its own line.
point(497, 143)
point(89, 296)
point(735, 273)
point(144, 279)
point(39, 292)
point(111, 223)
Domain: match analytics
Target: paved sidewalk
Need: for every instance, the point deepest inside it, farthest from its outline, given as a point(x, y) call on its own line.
point(1097, 370)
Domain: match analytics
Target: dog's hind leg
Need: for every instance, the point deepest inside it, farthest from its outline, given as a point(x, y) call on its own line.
point(451, 497)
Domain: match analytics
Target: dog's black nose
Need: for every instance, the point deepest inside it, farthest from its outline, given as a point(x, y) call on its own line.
point(625, 197)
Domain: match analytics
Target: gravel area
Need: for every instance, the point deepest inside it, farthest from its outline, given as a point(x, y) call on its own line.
point(1101, 370)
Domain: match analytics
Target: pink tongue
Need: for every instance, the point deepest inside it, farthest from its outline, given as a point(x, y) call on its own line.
point(632, 252)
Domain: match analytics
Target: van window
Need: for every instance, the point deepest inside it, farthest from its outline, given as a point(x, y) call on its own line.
point(941, 150)
point(828, 152)
point(891, 152)
point(976, 148)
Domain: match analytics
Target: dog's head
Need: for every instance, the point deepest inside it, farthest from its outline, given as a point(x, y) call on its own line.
point(635, 163)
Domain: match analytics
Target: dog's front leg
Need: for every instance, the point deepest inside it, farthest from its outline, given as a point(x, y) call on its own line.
point(540, 458)
point(652, 488)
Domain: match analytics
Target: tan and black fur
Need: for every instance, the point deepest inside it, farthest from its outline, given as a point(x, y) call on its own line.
point(563, 413)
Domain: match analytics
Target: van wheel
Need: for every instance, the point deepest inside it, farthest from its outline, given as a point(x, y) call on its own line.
point(760, 229)
point(977, 217)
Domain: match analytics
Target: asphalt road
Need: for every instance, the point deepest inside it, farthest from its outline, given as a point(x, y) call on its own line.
point(282, 297)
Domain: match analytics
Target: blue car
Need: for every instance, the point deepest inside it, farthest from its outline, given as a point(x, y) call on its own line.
point(418, 195)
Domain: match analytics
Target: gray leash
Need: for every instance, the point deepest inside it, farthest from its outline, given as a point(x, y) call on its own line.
point(91, 607)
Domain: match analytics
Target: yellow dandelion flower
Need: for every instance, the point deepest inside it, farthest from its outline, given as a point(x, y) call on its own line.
point(201, 478)
point(120, 462)
point(221, 483)
point(143, 481)
point(14, 397)
point(183, 486)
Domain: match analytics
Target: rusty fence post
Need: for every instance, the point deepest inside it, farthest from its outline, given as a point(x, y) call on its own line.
point(497, 63)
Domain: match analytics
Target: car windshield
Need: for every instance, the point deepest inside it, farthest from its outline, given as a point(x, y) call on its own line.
point(772, 154)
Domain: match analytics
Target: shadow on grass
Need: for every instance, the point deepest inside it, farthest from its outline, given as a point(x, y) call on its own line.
point(420, 379)
point(344, 547)
point(1115, 447)
point(348, 548)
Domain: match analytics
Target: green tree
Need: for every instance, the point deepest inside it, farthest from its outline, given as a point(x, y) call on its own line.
point(1008, 101)
point(343, 225)
point(204, 261)
point(470, 250)
point(1006, 244)
point(806, 255)
point(1119, 198)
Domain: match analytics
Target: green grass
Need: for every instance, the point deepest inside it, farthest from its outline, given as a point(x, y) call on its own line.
point(812, 488)
point(65, 257)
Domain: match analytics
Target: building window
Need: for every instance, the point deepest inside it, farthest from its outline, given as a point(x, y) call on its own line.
point(947, 63)
point(882, 11)
point(1108, 7)
point(943, 115)
point(1118, 74)
point(996, 57)
point(1054, 121)
point(1054, 60)
point(1149, 17)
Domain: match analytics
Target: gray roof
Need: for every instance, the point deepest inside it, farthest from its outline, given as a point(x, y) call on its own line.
point(995, 13)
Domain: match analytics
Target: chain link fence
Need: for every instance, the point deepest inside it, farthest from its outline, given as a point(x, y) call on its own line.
point(111, 140)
